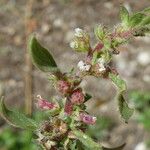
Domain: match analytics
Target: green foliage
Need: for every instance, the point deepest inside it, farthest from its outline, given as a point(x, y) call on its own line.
point(141, 101)
point(121, 85)
point(86, 140)
point(146, 21)
point(136, 19)
point(87, 97)
point(98, 130)
point(124, 15)
point(16, 118)
point(41, 58)
point(147, 10)
point(125, 111)
point(66, 119)
point(100, 32)
point(11, 139)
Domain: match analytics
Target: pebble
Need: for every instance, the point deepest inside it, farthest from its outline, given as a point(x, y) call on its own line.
point(143, 58)
point(141, 146)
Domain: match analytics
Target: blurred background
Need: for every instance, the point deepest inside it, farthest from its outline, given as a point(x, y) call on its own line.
point(54, 22)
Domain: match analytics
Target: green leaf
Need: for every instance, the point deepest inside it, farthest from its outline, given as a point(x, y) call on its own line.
point(86, 140)
point(147, 10)
point(115, 148)
point(136, 19)
point(16, 118)
point(100, 32)
point(87, 96)
point(124, 15)
point(124, 109)
point(41, 58)
point(146, 21)
point(118, 82)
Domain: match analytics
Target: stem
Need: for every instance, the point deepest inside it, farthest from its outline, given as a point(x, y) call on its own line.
point(29, 27)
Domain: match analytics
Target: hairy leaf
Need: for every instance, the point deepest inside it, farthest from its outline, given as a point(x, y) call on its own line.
point(41, 58)
point(16, 118)
point(115, 148)
point(146, 21)
point(125, 111)
point(86, 140)
point(118, 82)
point(124, 15)
point(136, 19)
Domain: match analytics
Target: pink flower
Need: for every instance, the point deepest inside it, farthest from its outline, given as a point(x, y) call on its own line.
point(68, 107)
point(77, 97)
point(87, 118)
point(63, 86)
point(44, 104)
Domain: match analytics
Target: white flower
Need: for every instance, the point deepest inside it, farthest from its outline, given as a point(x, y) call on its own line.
point(74, 44)
point(79, 32)
point(101, 61)
point(83, 66)
point(101, 68)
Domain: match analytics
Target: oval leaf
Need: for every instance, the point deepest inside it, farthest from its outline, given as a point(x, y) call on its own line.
point(41, 57)
point(16, 118)
point(115, 148)
point(136, 19)
point(121, 85)
point(146, 21)
point(125, 111)
point(86, 140)
point(124, 15)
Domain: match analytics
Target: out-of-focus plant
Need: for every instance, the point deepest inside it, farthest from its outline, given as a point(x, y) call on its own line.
point(68, 118)
point(141, 101)
point(99, 131)
point(16, 140)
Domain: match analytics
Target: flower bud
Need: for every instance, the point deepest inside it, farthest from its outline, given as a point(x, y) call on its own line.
point(68, 108)
point(44, 104)
point(63, 86)
point(77, 97)
point(100, 32)
point(87, 118)
point(81, 41)
point(79, 32)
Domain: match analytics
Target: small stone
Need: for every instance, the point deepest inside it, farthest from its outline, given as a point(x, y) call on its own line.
point(141, 146)
point(143, 58)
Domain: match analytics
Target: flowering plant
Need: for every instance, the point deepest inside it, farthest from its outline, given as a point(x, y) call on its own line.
point(65, 127)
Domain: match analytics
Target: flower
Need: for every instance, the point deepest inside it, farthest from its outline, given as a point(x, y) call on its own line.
point(74, 44)
point(101, 63)
point(101, 68)
point(77, 97)
point(68, 108)
point(63, 86)
point(83, 66)
point(44, 104)
point(80, 41)
point(87, 118)
point(79, 32)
